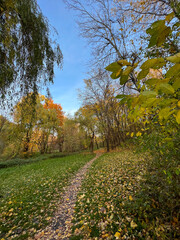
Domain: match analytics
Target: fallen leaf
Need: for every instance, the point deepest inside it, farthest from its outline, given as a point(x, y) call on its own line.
point(130, 198)
point(133, 224)
point(117, 235)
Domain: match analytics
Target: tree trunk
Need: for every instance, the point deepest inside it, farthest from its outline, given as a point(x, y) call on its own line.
point(107, 144)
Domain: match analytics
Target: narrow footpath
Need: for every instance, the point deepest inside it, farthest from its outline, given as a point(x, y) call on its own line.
point(60, 226)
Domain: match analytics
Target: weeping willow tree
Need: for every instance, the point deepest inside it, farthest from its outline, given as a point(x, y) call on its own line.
point(27, 51)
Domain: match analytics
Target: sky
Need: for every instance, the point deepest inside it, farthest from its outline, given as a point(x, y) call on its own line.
point(75, 53)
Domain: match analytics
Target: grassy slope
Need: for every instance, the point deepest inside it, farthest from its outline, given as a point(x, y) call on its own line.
point(112, 204)
point(29, 193)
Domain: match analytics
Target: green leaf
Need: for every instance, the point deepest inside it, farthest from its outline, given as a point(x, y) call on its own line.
point(152, 101)
point(142, 74)
point(123, 62)
point(173, 71)
point(152, 81)
point(113, 67)
point(174, 59)
point(159, 32)
point(176, 84)
point(149, 94)
point(177, 171)
point(169, 17)
point(117, 74)
point(121, 96)
point(123, 79)
point(167, 102)
point(166, 88)
point(155, 63)
point(165, 113)
point(162, 36)
point(128, 70)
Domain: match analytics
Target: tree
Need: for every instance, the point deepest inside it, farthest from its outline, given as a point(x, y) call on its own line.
point(38, 125)
point(25, 118)
point(8, 138)
point(50, 124)
point(116, 29)
point(99, 95)
point(160, 88)
point(73, 136)
point(142, 10)
point(85, 116)
point(157, 109)
point(99, 25)
point(27, 53)
point(3, 122)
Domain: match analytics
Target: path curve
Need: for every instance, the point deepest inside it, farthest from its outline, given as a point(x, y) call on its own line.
point(60, 227)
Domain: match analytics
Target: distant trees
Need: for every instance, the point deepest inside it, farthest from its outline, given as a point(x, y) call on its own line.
point(74, 138)
point(8, 138)
point(50, 124)
point(87, 120)
point(35, 127)
point(111, 122)
point(27, 53)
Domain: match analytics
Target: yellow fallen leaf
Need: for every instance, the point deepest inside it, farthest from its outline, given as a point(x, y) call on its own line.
point(133, 224)
point(105, 235)
point(11, 210)
point(10, 202)
point(117, 235)
point(130, 198)
point(48, 218)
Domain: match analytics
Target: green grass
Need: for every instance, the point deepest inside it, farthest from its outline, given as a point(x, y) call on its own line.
point(113, 204)
point(38, 157)
point(29, 193)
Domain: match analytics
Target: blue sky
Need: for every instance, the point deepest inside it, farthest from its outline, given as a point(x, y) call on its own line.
point(75, 52)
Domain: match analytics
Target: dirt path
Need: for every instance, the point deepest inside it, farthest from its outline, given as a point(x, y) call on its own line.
point(60, 227)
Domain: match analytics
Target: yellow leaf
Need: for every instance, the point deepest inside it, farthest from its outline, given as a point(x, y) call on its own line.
point(48, 218)
point(130, 198)
point(11, 210)
point(117, 235)
point(178, 117)
point(10, 202)
point(132, 134)
point(105, 235)
point(133, 224)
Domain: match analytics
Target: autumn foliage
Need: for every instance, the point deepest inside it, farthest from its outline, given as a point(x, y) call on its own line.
point(50, 105)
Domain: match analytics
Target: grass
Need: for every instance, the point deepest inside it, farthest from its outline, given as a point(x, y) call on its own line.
point(22, 161)
point(112, 203)
point(29, 193)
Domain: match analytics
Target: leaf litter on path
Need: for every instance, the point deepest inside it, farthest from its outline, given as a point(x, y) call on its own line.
point(61, 224)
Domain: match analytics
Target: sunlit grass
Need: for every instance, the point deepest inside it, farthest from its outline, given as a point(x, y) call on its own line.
point(29, 193)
